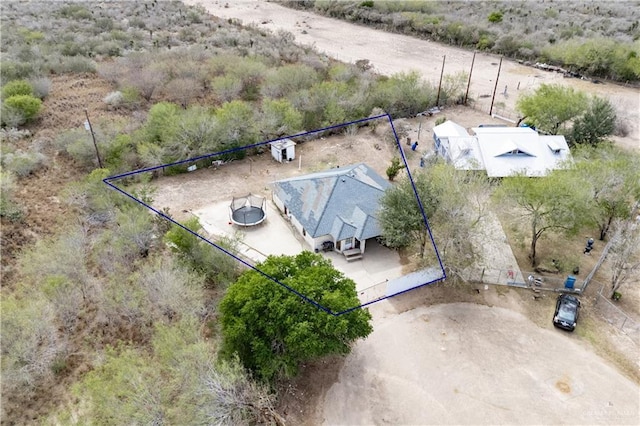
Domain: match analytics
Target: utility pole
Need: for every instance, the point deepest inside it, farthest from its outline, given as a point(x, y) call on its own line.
point(466, 95)
point(93, 136)
point(444, 57)
point(495, 87)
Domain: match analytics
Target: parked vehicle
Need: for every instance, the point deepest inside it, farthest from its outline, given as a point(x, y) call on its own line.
point(567, 312)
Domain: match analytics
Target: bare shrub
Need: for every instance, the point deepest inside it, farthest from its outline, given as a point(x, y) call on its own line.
point(23, 163)
point(108, 48)
point(183, 90)
point(7, 182)
point(30, 344)
point(172, 290)
point(145, 81)
point(8, 207)
point(59, 256)
point(114, 99)
point(453, 88)
point(250, 71)
point(227, 87)
point(124, 307)
point(41, 87)
point(111, 71)
point(621, 128)
point(71, 64)
point(68, 137)
point(11, 117)
point(12, 134)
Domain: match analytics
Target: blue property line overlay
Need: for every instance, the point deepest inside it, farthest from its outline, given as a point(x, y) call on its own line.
point(108, 181)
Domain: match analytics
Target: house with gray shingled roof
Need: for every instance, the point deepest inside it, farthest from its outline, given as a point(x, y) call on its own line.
point(337, 207)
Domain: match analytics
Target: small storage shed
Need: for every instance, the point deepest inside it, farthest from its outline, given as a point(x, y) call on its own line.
point(283, 150)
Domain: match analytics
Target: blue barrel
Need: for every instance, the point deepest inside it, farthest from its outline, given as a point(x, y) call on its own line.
point(570, 281)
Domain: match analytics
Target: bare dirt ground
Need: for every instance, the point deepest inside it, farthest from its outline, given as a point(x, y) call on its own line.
point(393, 53)
point(447, 354)
point(450, 372)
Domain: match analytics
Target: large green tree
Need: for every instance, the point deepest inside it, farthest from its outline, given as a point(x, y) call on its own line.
point(272, 330)
point(598, 122)
point(400, 215)
point(551, 106)
point(612, 176)
point(454, 201)
point(555, 202)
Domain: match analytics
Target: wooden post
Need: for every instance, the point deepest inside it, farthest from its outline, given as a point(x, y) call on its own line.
point(466, 95)
point(444, 57)
point(93, 136)
point(495, 87)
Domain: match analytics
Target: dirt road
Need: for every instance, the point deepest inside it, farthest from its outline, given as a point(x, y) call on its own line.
point(393, 53)
point(471, 364)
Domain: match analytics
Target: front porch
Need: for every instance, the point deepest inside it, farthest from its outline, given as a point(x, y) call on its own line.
point(352, 254)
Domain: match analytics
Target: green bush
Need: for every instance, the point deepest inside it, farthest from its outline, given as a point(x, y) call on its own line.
point(495, 17)
point(595, 124)
point(440, 120)
point(26, 105)
point(75, 11)
point(485, 42)
point(10, 209)
point(394, 168)
point(226, 87)
point(273, 331)
point(403, 95)
point(17, 87)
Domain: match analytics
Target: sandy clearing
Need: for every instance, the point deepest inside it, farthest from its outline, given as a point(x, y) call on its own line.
point(393, 53)
point(471, 364)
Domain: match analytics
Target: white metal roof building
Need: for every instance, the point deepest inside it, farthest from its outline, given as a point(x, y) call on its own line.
point(500, 151)
point(507, 151)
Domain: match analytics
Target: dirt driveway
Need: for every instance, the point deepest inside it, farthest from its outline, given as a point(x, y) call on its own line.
point(393, 53)
point(464, 363)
